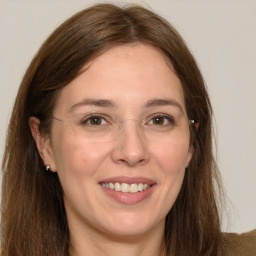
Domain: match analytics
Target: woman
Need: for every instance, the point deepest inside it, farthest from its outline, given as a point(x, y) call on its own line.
point(109, 149)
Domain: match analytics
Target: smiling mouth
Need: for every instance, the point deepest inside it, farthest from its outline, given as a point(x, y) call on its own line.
point(125, 187)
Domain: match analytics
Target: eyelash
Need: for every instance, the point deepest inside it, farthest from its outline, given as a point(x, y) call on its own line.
point(87, 119)
point(167, 118)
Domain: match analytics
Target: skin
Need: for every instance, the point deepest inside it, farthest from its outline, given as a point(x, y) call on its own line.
point(130, 76)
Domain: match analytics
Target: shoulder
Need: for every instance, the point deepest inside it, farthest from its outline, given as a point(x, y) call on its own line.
point(240, 244)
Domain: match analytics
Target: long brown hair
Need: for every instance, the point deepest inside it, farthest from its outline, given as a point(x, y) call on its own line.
point(33, 215)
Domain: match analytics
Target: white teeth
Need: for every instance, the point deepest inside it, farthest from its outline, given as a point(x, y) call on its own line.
point(117, 186)
point(126, 188)
point(134, 188)
point(140, 186)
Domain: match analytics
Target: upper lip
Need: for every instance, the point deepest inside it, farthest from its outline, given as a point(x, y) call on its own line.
point(128, 180)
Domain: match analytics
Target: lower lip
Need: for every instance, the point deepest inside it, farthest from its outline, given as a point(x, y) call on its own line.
point(129, 198)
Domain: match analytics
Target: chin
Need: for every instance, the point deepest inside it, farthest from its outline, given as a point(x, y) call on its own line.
point(132, 225)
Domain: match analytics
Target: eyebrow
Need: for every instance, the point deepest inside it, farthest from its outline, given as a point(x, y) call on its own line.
point(110, 104)
point(163, 102)
point(93, 102)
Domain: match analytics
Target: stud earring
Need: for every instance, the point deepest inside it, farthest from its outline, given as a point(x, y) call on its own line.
point(48, 168)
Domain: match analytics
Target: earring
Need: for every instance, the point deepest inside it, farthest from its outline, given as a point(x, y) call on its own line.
point(48, 168)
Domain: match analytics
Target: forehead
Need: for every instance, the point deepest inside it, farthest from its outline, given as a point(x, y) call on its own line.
point(128, 74)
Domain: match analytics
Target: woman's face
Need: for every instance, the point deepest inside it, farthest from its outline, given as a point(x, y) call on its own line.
point(125, 128)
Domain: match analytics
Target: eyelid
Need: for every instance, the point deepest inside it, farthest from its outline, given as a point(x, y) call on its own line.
point(159, 115)
point(100, 115)
point(112, 120)
point(167, 116)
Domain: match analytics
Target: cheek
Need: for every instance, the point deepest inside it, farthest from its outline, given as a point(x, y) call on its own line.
point(172, 158)
point(173, 169)
point(75, 157)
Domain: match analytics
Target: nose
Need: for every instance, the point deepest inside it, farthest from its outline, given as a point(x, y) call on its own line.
point(131, 147)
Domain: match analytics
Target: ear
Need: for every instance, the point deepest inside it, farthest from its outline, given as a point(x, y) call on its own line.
point(42, 142)
point(196, 125)
point(190, 155)
point(191, 147)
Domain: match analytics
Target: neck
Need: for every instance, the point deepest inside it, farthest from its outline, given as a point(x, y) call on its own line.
point(97, 243)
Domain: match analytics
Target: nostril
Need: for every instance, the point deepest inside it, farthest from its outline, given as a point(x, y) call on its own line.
point(131, 160)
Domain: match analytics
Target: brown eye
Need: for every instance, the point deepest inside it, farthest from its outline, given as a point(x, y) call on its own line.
point(161, 121)
point(158, 120)
point(95, 120)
